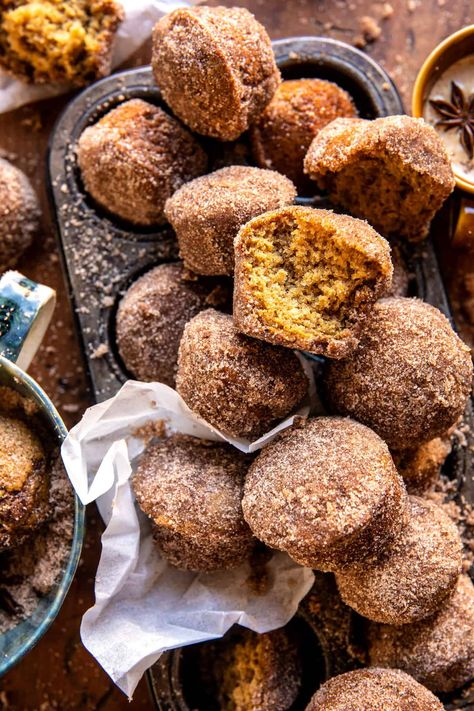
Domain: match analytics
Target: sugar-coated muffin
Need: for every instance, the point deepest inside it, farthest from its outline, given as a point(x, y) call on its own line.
point(191, 490)
point(24, 482)
point(374, 690)
point(437, 652)
point(208, 212)
point(247, 670)
point(408, 379)
point(415, 574)
point(327, 493)
point(134, 158)
point(299, 109)
point(19, 214)
point(394, 172)
point(215, 68)
point(239, 385)
point(58, 41)
point(420, 467)
point(153, 313)
point(307, 278)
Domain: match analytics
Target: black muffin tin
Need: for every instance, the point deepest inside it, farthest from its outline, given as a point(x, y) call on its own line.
point(103, 256)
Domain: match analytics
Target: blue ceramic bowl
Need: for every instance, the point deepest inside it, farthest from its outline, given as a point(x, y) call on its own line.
point(16, 642)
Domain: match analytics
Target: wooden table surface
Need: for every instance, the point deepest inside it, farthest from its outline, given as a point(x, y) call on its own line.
point(59, 673)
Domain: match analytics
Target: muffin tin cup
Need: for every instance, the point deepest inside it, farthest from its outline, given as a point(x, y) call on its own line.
point(103, 256)
point(173, 685)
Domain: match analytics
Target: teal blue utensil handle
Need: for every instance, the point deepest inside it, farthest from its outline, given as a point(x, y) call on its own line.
point(25, 312)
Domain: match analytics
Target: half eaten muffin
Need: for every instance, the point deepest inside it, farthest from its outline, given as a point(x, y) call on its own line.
point(306, 278)
point(393, 171)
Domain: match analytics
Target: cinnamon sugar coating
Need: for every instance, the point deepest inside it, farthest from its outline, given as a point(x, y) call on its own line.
point(327, 493)
point(415, 574)
point(153, 313)
point(24, 482)
point(299, 109)
point(394, 172)
point(408, 379)
point(374, 690)
point(239, 385)
point(215, 68)
point(134, 158)
point(306, 278)
point(437, 652)
point(191, 489)
point(208, 212)
point(421, 467)
point(19, 214)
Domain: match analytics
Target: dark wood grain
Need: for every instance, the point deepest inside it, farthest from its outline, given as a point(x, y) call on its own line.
point(59, 673)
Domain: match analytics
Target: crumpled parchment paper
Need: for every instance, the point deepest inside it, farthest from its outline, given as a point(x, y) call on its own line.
point(140, 16)
point(143, 605)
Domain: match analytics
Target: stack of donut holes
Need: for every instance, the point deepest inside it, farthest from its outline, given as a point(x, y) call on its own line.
point(342, 491)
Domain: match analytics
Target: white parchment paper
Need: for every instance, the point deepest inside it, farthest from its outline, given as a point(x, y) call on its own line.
point(143, 605)
point(140, 16)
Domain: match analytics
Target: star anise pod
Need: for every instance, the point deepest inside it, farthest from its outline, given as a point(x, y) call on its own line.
point(457, 113)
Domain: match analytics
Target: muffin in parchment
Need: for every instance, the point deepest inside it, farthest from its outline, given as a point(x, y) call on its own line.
point(239, 385)
point(191, 490)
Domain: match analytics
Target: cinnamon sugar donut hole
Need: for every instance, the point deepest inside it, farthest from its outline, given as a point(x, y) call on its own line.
point(394, 172)
point(374, 690)
point(153, 313)
point(327, 493)
point(239, 385)
point(307, 278)
point(19, 214)
point(415, 574)
point(134, 158)
point(408, 379)
point(299, 109)
point(191, 490)
point(437, 652)
point(215, 68)
point(421, 467)
point(208, 212)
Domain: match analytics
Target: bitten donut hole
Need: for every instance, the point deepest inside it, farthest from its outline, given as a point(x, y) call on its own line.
point(304, 279)
point(386, 194)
